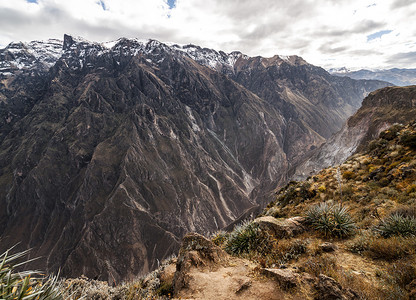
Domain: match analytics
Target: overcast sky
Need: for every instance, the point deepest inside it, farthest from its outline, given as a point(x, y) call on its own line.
point(328, 33)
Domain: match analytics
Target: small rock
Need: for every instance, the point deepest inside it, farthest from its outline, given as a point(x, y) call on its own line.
point(285, 277)
point(328, 247)
point(243, 286)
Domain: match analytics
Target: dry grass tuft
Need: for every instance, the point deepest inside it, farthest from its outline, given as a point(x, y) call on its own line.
point(391, 248)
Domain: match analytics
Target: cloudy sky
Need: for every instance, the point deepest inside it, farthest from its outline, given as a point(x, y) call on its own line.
point(328, 33)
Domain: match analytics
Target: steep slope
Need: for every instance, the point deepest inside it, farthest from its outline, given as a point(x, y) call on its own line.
point(23, 76)
point(348, 232)
point(379, 110)
point(314, 102)
point(118, 149)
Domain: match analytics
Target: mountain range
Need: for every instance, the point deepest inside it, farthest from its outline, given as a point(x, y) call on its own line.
point(111, 152)
point(400, 77)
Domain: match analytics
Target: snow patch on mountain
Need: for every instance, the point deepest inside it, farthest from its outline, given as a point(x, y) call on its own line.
point(35, 55)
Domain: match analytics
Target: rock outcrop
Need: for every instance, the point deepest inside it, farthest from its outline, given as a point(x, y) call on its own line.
point(285, 277)
point(281, 228)
point(196, 251)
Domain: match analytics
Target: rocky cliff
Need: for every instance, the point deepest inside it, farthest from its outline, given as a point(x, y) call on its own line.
point(111, 152)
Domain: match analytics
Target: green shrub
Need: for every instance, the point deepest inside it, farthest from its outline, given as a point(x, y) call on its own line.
point(25, 285)
point(397, 224)
point(408, 139)
point(247, 238)
point(331, 220)
point(219, 238)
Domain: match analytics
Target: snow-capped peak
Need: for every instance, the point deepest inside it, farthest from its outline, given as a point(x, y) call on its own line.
point(39, 55)
point(342, 70)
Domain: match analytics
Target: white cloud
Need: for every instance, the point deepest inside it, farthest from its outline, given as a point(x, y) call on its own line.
point(326, 33)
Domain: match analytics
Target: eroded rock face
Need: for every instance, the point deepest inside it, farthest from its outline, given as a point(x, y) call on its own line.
point(109, 155)
point(379, 111)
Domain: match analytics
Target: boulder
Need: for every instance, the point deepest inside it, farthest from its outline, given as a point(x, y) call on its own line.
point(285, 277)
point(281, 228)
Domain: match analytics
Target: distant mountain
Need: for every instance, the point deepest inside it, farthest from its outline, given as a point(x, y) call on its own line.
point(380, 110)
point(400, 77)
point(110, 152)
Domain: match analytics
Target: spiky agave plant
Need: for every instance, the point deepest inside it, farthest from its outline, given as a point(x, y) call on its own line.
point(331, 220)
point(319, 216)
point(344, 225)
point(397, 224)
point(245, 239)
point(25, 285)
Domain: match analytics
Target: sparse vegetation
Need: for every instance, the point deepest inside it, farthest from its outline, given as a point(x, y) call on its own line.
point(391, 133)
point(288, 250)
point(379, 188)
point(294, 193)
point(375, 209)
